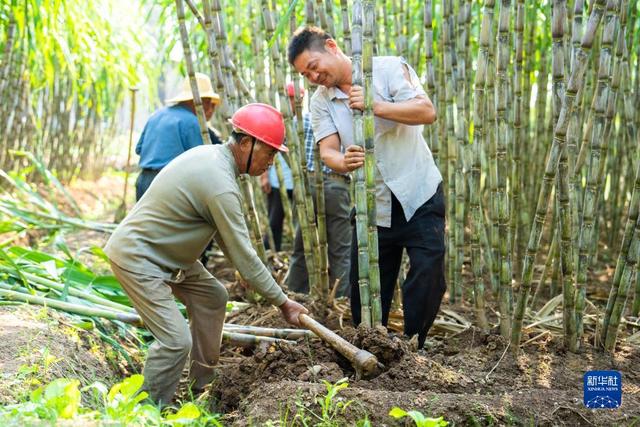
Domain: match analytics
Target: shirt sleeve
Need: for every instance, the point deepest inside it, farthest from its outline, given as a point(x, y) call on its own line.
point(399, 88)
point(321, 121)
point(233, 238)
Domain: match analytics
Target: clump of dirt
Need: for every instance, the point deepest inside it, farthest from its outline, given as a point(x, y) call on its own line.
point(387, 348)
point(308, 360)
point(39, 346)
point(470, 378)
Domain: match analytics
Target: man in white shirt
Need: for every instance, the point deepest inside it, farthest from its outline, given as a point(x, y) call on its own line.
point(410, 203)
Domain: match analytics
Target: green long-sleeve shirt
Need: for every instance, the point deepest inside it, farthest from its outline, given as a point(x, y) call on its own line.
point(193, 199)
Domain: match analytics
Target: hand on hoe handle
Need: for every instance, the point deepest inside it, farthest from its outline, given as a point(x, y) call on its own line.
point(291, 310)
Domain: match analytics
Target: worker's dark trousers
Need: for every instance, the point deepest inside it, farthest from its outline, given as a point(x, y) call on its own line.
point(144, 180)
point(337, 207)
point(424, 286)
point(276, 216)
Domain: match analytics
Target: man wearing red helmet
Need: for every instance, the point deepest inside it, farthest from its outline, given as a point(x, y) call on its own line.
point(154, 251)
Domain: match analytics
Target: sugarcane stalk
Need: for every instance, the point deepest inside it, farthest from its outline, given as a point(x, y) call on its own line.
point(186, 47)
point(478, 140)
point(632, 219)
point(322, 223)
point(253, 222)
point(284, 197)
point(215, 68)
point(247, 340)
point(42, 281)
point(559, 139)
point(346, 32)
point(518, 137)
point(452, 152)
point(430, 133)
point(263, 215)
point(502, 136)
point(309, 236)
point(625, 283)
point(585, 239)
point(8, 293)
point(360, 174)
point(370, 162)
point(462, 140)
point(290, 334)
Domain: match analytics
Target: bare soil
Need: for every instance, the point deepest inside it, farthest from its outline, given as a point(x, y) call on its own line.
point(471, 379)
point(38, 346)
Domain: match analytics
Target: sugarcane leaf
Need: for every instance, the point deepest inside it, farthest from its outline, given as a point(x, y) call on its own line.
point(50, 267)
point(97, 251)
point(282, 23)
point(49, 178)
point(109, 283)
point(9, 261)
point(34, 255)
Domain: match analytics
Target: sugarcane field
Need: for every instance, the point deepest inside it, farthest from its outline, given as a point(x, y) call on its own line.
point(319, 213)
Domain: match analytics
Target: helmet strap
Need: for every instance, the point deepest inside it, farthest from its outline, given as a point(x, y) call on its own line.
point(253, 144)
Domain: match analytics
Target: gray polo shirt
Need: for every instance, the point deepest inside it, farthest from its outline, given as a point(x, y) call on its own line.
point(193, 199)
point(404, 164)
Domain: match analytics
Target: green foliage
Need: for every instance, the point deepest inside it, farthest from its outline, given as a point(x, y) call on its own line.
point(330, 404)
point(332, 409)
point(123, 404)
point(418, 418)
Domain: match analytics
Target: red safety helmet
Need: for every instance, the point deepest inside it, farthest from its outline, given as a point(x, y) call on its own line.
point(290, 89)
point(263, 122)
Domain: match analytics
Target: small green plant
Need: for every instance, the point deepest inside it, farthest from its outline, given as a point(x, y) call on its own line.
point(330, 404)
point(418, 418)
point(332, 408)
point(123, 404)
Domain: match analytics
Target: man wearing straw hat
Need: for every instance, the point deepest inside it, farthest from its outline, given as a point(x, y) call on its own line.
point(154, 251)
point(174, 129)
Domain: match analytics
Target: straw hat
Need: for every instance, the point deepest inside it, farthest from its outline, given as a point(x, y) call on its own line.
point(205, 88)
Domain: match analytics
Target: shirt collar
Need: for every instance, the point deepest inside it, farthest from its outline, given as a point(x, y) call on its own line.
point(336, 93)
point(230, 158)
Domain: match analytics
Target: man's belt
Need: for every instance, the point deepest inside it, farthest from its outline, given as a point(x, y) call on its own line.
point(334, 175)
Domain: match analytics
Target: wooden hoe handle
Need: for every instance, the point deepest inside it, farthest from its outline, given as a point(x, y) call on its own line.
point(364, 362)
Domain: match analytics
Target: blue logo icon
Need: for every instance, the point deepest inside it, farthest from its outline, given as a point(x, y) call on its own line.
point(602, 389)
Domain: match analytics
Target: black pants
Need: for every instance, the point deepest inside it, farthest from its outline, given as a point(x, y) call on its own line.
point(424, 286)
point(144, 180)
point(276, 217)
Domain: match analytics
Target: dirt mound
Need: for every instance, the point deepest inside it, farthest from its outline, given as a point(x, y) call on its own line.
point(528, 407)
point(37, 346)
point(471, 378)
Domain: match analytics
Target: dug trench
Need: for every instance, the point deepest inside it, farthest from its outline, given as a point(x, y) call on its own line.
point(472, 378)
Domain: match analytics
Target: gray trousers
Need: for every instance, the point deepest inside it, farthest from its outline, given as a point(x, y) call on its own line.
point(337, 209)
point(153, 298)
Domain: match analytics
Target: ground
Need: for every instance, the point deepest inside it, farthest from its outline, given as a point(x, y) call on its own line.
point(39, 345)
point(469, 377)
point(472, 378)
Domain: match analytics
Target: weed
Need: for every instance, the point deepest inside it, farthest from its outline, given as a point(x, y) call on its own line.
point(123, 404)
point(418, 418)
